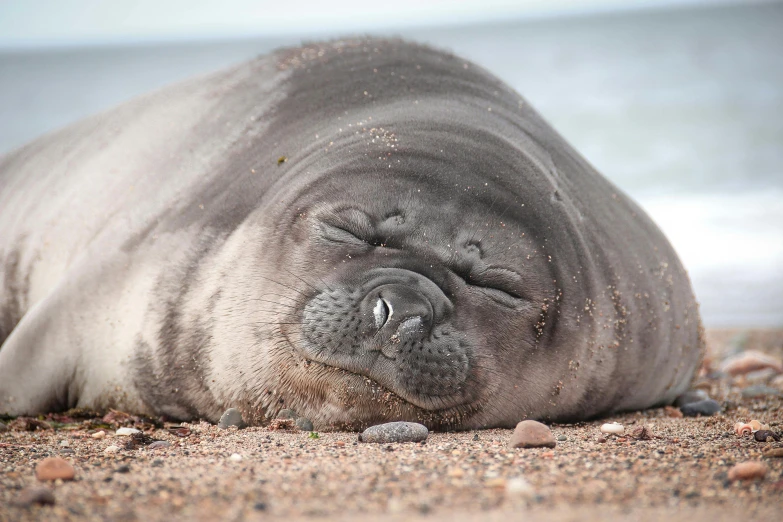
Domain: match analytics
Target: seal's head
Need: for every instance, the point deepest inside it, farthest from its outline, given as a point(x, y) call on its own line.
point(411, 281)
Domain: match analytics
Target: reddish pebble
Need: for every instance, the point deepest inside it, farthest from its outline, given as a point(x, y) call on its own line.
point(532, 434)
point(751, 361)
point(748, 471)
point(673, 412)
point(54, 468)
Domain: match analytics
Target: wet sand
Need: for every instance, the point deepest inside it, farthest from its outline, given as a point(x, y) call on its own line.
point(262, 474)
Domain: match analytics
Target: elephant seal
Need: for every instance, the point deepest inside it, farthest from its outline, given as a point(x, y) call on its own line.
point(362, 231)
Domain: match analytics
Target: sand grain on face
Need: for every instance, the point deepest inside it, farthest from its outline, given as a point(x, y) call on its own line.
point(661, 466)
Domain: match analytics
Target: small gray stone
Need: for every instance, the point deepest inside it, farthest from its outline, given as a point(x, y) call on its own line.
point(562, 438)
point(35, 495)
point(231, 417)
point(691, 396)
point(287, 414)
point(395, 432)
point(159, 444)
point(304, 424)
point(706, 408)
point(759, 390)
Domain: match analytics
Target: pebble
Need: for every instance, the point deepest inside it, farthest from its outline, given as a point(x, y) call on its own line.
point(53, 468)
point(751, 361)
point(643, 433)
point(532, 434)
point(672, 412)
point(99, 434)
point(35, 495)
point(3, 427)
point(125, 432)
point(123, 469)
point(760, 376)
point(760, 390)
point(518, 486)
point(235, 457)
point(748, 471)
point(766, 436)
point(64, 443)
point(395, 432)
point(562, 438)
point(691, 396)
point(613, 428)
point(773, 453)
point(111, 449)
point(287, 414)
point(304, 424)
point(706, 408)
point(159, 444)
point(231, 417)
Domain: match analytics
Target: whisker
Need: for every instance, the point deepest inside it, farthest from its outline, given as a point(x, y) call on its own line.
point(302, 280)
point(284, 286)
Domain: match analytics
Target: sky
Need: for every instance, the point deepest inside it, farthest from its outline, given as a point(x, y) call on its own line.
point(54, 23)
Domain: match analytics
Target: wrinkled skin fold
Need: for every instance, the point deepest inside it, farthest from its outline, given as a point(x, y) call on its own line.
point(362, 231)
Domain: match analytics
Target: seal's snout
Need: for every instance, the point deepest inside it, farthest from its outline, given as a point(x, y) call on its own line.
point(396, 329)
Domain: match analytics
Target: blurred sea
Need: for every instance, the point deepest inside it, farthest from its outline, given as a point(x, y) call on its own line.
point(682, 109)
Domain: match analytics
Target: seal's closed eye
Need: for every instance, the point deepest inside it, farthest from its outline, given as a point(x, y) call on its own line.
point(349, 226)
point(501, 284)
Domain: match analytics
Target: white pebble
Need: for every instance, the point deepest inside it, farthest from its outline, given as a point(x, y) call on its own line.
point(235, 457)
point(64, 443)
point(613, 428)
point(518, 486)
point(111, 449)
point(126, 431)
point(99, 434)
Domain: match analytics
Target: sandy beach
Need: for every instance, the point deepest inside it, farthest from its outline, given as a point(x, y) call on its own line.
point(682, 468)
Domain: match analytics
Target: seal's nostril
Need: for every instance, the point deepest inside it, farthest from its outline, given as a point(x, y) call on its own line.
point(413, 324)
point(383, 311)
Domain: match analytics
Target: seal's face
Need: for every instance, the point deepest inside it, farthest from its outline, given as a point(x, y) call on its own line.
point(421, 290)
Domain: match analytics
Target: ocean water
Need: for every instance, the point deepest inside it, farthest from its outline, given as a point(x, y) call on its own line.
point(682, 109)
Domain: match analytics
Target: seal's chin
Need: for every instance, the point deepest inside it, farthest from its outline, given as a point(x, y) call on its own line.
point(351, 401)
point(378, 384)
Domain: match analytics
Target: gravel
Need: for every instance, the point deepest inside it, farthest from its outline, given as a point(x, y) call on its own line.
point(680, 472)
point(35, 495)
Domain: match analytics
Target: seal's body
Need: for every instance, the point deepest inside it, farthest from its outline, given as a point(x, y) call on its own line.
point(361, 231)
